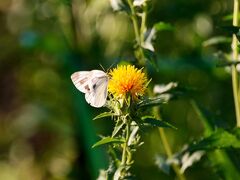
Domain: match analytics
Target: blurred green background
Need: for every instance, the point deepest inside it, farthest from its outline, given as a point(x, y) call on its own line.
point(46, 127)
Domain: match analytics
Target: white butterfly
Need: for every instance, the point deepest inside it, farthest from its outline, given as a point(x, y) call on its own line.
point(94, 84)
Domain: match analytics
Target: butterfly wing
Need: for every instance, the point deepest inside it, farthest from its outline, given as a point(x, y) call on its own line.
point(81, 80)
point(98, 73)
point(98, 96)
point(94, 84)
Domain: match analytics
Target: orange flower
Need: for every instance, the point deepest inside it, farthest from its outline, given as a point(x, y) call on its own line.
point(126, 79)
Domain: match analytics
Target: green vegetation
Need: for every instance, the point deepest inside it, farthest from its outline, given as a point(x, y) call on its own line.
point(183, 120)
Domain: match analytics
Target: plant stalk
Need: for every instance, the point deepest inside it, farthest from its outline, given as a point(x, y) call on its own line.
point(167, 148)
point(125, 146)
point(126, 157)
point(235, 57)
point(139, 53)
point(139, 35)
point(143, 25)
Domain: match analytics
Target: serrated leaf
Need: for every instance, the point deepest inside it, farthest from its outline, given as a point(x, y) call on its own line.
point(160, 26)
point(219, 139)
point(219, 159)
point(156, 122)
point(103, 115)
point(107, 140)
point(159, 100)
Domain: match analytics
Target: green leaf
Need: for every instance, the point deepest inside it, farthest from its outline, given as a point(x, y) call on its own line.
point(164, 88)
point(236, 132)
point(149, 120)
point(159, 100)
point(217, 40)
point(107, 140)
point(233, 30)
point(161, 26)
point(219, 139)
point(229, 17)
point(219, 158)
point(103, 115)
point(117, 128)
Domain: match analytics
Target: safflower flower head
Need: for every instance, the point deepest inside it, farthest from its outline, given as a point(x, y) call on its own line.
point(127, 80)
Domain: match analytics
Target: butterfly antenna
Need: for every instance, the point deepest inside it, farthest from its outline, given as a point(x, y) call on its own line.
point(113, 64)
point(102, 68)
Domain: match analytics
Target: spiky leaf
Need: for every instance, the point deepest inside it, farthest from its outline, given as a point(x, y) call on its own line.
point(103, 115)
point(148, 120)
point(107, 140)
point(219, 139)
point(159, 100)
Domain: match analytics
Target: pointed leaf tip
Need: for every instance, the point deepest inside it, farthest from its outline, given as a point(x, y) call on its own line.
point(103, 115)
point(156, 122)
point(107, 140)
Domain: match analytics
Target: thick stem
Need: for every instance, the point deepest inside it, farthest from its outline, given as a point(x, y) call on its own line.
point(234, 69)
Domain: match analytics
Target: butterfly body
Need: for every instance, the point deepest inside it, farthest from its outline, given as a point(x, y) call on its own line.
point(94, 84)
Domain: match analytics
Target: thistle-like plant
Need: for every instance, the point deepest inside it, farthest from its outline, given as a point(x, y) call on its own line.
point(127, 105)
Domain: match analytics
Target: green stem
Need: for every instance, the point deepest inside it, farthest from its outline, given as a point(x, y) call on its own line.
point(125, 146)
point(206, 124)
point(234, 69)
point(167, 148)
point(134, 20)
point(143, 24)
point(217, 157)
point(139, 53)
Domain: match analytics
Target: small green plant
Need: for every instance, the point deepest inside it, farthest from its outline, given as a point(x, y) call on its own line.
point(127, 105)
